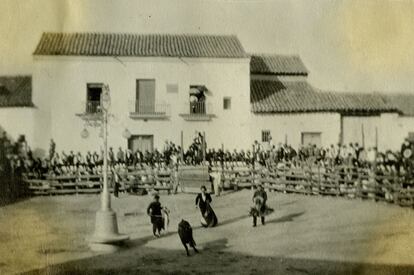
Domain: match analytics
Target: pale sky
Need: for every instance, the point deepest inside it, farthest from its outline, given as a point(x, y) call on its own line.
point(351, 45)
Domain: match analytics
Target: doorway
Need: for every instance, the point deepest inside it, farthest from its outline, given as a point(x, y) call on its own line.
point(313, 138)
point(142, 143)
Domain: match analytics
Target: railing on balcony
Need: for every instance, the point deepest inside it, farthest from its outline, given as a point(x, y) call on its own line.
point(198, 108)
point(93, 107)
point(198, 111)
point(90, 110)
point(142, 110)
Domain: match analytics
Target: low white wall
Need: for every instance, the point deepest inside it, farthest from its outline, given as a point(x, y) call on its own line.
point(291, 127)
point(393, 130)
point(18, 121)
point(361, 129)
point(390, 129)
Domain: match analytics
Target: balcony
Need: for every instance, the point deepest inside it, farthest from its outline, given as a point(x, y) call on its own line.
point(139, 110)
point(90, 110)
point(198, 111)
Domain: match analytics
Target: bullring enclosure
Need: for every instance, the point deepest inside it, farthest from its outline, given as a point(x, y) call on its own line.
point(206, 137)
point(305, 235)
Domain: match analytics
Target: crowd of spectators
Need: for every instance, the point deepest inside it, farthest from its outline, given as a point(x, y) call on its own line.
point(20, 159)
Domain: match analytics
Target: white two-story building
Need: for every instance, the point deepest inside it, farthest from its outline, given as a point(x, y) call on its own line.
point(162, 87)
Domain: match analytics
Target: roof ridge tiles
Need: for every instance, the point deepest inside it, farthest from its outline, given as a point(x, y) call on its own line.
point(140, 44)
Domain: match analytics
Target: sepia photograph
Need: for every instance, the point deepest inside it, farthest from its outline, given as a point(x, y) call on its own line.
point(206, 137)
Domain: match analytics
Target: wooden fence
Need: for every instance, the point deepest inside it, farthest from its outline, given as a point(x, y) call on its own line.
point(138, 181)
point(342, 181)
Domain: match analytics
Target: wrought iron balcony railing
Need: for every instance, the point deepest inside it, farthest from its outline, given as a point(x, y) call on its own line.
point(140, 110)
point(90, 110)
point(93, 107)
point(198, 111)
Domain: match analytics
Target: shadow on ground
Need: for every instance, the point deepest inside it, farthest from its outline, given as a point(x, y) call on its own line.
point(214, 258)
point(287, 218)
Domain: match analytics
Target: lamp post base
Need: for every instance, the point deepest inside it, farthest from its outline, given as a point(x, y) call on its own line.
point(106, 237)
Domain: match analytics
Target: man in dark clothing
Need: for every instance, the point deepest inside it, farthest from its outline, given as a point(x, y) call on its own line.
point(52, 149)
point(120, 156)
point(259, 199)
point(203, 202)
point(111, 156)
point(154, 210)
point(71, 158)
point(129, 159)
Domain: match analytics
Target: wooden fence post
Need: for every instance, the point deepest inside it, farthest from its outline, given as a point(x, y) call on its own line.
point(319, 179)
point(363, 135)
point(204, 148)
point(359, 182)
point(337, 175)
point(182, 146)
point(78, 179)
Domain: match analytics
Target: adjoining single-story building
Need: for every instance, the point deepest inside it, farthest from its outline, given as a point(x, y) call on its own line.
point(297, 113)
point(170, 86)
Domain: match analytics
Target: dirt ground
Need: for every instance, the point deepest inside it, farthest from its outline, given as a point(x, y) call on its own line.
point(305, 235)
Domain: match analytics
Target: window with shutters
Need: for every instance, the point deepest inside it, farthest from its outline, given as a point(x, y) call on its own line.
point(227, 103)
point(266, 136)
point(145, 96)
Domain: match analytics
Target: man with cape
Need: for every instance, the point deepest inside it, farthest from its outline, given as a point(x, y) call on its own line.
point(203, 202)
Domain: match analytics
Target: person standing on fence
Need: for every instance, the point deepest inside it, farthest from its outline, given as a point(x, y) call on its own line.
point(175, 179)
point(116, 182)
point(120, 156)
point(52, 149)
point(203, 202)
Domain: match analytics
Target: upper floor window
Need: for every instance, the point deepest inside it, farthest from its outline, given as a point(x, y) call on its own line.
point(266, 137)
point(198, 99)
point(227, 103)
point(93, 97)
point(145, 96)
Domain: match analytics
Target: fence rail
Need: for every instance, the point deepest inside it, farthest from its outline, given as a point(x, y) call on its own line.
point(342, 181)
point(140, 181)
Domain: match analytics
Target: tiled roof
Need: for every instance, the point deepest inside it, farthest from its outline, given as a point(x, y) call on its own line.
point(299, 96)
point(277, 65)
point(16, 91)
point(123, 44)
point(404, 102)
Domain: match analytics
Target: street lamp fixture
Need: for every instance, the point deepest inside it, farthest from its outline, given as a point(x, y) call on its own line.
point(106, 236)
point(84, 133)
point(126, 134)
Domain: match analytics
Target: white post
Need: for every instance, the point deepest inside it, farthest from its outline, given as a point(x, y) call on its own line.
point(105, 195)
